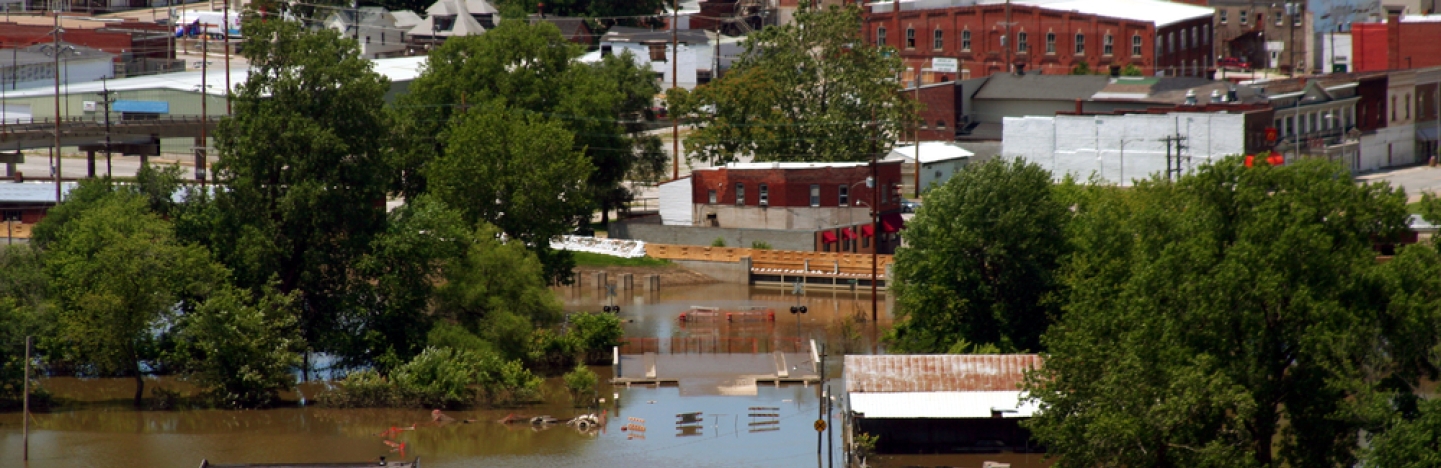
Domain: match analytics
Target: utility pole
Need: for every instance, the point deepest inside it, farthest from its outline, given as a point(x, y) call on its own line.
point(105, 95)
point(674, 57)
point(1005, 40)
point(1177, 139)
point(226, 27)
point(918, 136)
point(822, 406)
point(875, 218)
point(204, 100)
point(56, 6)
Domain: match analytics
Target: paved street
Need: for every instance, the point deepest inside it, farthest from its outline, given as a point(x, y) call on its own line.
point(1416, 180)
point(36, 165)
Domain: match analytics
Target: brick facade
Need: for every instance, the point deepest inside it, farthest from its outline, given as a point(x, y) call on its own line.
point(1044, 40)
point(1395, 45)
point(791, 187)
point(1243, 28)
point(941, 112)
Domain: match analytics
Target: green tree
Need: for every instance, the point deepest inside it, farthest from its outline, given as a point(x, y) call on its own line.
point(423, 238)
point(303, 164)
point(1237, 317)
point(530, 72)
point(980, 262)
point(581, 383)
point(117, 277)
point(596, 333)
point(497, 292)
point(1083, 68)
point(240, 352)
point(515, 170)
point(799, 93)
point(1414, 443)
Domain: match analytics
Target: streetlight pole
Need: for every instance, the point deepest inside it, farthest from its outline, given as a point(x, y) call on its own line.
point(674, 80)
point(55, 48)
point(875, 220)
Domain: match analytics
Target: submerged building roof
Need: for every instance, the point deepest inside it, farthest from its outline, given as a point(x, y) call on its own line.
point(938, 372)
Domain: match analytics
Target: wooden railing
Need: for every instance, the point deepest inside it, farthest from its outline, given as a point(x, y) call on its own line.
point(785, 260)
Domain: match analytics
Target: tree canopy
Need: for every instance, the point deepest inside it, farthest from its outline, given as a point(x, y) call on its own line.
point(303, 162)
point(1237, 317)
point(800, 92)
point(979, 265)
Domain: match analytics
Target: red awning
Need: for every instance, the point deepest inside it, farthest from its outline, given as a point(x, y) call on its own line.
point(848, 234)
point(828, 237)
point(892, 222)
point(868, 230)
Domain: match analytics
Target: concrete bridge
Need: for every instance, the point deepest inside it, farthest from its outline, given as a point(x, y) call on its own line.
point(127, 137)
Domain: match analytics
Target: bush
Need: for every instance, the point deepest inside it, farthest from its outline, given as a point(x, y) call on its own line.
point(363, 389)
point(760, 245)
point(596, 334)
point(240, 352)
point(718, 242)
point(581, 383)
point(551, 352)
point(508, 383)
point(439, 378)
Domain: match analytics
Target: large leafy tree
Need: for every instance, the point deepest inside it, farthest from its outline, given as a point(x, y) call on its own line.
point(304, 169)
point(518, 172)
point(980, 262)
point(1410, 443)
point(1238, 317)
point(24, 311)
point(529, 71)
point(496, 291)
point(800, 93)
point(118, 276)
point(240, 352)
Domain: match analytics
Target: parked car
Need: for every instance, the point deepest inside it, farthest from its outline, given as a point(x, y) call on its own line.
point(910, 206)
point(1233, 63)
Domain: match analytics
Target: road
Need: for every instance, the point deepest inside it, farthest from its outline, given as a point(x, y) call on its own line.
point(36, 165)
point(1416, 180)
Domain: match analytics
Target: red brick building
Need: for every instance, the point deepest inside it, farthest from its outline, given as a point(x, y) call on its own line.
point(1399, 43)
point(830, 199)
point(129, 40)
point(1052, 38)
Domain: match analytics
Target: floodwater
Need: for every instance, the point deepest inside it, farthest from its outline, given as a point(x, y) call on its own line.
point(715, 360)
point(97, 427)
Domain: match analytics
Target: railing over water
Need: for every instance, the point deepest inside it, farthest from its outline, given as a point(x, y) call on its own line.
point(713, 345)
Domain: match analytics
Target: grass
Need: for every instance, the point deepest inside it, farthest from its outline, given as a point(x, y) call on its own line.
point(587, 259)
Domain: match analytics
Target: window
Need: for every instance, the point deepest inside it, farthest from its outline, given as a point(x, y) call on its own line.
point(1291, 125)
point(1296, 19)
point(966, 40)
point(740, 194)
point(1223, 16)
point(1205, 34)
point(1080, 44)
point(941, 124)
point(1312, 124)
point(1280, 17)
point(1109, 45)
point(881, 36)
point(657, 52)
point(1136, 45)
point(1051, 43)
point(712, 197)
point(1408, 106)
point(1195, 39)
point(765, 195)
point(938, 39)
point(1393, 108)
point(845, 196)
point(910, 38)
point(1021, 46)
point(1183, 40)
point(1171, 42)
point(815, 195)
point(1243, 17)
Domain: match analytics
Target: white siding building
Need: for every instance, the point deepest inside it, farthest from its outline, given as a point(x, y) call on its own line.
point(1121, 148)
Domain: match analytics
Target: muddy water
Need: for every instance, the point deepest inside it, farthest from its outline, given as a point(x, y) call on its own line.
point(97, 428)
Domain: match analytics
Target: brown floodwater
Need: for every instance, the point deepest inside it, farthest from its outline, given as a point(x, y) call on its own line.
point(96, 427)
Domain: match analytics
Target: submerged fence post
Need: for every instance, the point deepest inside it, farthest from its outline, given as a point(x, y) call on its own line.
point(25, 411)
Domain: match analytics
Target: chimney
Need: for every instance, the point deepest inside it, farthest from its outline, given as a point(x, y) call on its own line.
point(1190, 97)
point(1080, 107)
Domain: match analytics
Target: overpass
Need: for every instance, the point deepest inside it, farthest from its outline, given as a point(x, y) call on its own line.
point(134, 137)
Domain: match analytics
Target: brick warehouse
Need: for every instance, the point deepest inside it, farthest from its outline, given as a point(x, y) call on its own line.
point(1401, 42)
point(1051, 38)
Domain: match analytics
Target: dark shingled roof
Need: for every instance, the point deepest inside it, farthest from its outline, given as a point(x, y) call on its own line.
point(1041, 87)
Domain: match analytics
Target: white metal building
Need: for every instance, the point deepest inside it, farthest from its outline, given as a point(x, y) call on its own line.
point(939, 161)
point(1121, 148)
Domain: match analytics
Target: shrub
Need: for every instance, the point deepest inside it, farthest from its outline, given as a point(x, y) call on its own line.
point(718, 242)
point(596, 334)
point(551, 352)
point(239, 351)
point(760, 245)
point(581, 383)
point(363, 389)
point(508, 382)
point(439, 378)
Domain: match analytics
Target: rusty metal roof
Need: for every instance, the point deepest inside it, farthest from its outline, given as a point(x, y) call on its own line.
point(937, 372)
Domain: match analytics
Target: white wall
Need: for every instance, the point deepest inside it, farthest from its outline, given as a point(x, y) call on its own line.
point(1388, 147)
point(1069, 144)
point(685, 69)
point(78, 71)
point(1323, 51)
point(675, 202)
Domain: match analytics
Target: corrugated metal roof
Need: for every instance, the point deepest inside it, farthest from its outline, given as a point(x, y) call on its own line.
point(942, 405)
point(937, 372)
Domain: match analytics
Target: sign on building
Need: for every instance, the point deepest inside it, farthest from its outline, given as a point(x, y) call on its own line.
point(945, 65)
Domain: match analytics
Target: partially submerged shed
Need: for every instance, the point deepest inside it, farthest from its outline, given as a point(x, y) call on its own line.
point(951, 403)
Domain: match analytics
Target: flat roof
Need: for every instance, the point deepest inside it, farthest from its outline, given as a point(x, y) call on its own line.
point(942, 405)
point(32, 192)
point(397, 69)
point(791, 165)
point(1159, 12)
point(931, 151)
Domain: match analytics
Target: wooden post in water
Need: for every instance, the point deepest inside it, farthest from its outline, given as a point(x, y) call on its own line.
point(25, 412)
